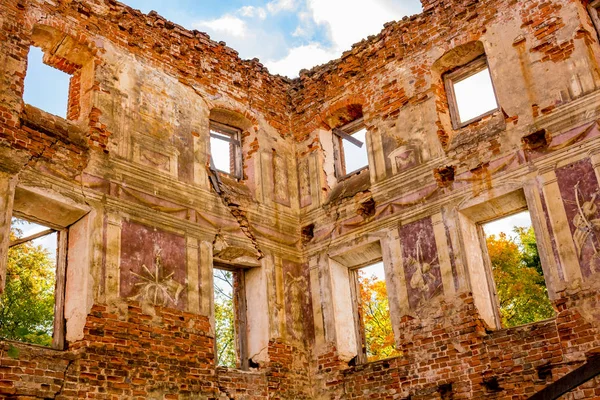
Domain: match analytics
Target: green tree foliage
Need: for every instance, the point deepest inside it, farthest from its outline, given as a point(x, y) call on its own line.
point(225, 318)
point(379, 336)
point(27, 304)
point(519, 278)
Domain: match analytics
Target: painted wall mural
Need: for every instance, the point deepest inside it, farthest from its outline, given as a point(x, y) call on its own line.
point(451, 255)
point(420, 261)
point(403, 158)
point(298, 306)
point(304, 183)
point(153, 265)
point(281, 192)
point(559, 267)
point(580, 193)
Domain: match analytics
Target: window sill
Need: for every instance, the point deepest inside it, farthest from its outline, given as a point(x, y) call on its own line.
point(369, 364)
point(52, 125)
point(357, 182)
point(483, 127)
point(251, 371)
point(476, 119)
point(228, 176)
point(351, 174)
point(16, 343)
point(527, 326)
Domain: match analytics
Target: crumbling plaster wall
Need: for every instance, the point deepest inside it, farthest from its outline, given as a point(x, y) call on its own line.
point(136, 158)
point(543, 61)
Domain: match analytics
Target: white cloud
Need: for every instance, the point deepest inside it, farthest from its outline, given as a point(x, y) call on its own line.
point(300, 31)
point(276, 6)
point(253, 12)
point(301, 57)
point(350, 21)
point(306, 25)
point(250, 40)
point(344, 21)
point(227, 24)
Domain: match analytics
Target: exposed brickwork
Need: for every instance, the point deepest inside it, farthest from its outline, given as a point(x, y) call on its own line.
point(32, 372)
point(127, 354)
point(458, 352)
point(134, 150)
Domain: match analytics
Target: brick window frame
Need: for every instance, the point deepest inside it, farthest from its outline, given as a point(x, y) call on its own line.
point(63, 52)
point(240, 315)
point(358, 310)
point(594, 11)
point(344, 265)
point(340, 134)
point(232, 135)
point(471, 218)
point(459, 74)
point(58, 331)
point(61, 216)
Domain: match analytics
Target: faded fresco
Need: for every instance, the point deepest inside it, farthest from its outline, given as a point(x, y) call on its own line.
point(559, 267)
point(298, 306)
point(579, 189)
point(304, 183)
point(403, 158)
point(281, 191)
point(153, 266)
point(451, 254)
point(420, 260)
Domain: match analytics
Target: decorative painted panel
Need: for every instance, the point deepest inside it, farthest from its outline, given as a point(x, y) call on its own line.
point(153, 265)
point(420, 260)
point(304, 183)
point(281, 192)
point(298, 306)
point(579, 190)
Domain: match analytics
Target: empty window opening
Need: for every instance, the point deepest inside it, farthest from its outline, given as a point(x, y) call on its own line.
point(225, 149)
point(517, 270)
point(471, 93)
point(351, 148)
point(46, 87)
point(374, 323)
point(355, 157)
point(27, 305)
point(230, 321)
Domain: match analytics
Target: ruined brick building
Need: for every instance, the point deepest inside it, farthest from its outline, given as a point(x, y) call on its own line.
point(126, 178)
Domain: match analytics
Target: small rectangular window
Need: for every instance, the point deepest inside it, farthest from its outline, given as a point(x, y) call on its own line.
point(31, 306)
point(471, 94)
point(225, 149)
point(350, 147)
point(230, 318)
point(517, 270)
point(46, 88)
point(374, 326)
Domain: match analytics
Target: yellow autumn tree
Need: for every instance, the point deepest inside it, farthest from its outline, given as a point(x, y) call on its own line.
point(519, 278)
point(375, 311)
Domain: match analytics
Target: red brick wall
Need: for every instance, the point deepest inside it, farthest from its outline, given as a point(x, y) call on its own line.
point(191, 56)
point(128, 354)
point(452, 354)
point(166, 353)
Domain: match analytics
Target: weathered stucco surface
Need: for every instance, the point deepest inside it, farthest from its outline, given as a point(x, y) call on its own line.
point(127, 173)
